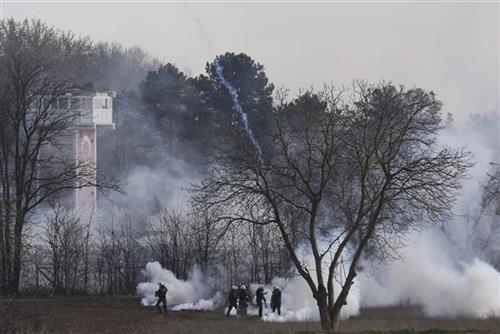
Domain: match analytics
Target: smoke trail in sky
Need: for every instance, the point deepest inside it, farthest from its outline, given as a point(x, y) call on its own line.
point(203, 34)
point(231, 90)
point(234, 97)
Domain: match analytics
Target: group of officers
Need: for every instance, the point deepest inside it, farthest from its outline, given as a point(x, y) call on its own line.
point(239, 298)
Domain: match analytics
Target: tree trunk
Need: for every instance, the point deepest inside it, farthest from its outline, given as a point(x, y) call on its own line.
point(16, 268)
point(7, 250)
point(341, 300)
point(335, 317)
point(13, 253)
point(321, 299)
point(3, 260)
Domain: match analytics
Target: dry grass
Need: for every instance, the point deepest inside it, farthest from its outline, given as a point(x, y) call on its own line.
point(126, 315)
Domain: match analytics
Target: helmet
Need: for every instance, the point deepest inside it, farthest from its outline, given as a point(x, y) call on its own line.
point(161, 284)
point(261, 287)
point(235, 287)
point(275, 287)
point(243, 287)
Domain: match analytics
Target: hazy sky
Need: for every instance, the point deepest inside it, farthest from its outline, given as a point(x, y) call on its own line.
point(451, 48)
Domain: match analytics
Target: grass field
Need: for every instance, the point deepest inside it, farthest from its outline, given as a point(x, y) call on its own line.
point(126, 315)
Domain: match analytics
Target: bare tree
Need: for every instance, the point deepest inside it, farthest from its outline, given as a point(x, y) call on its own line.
point(206, 238)
point(35, 131)
point(491, 191)
point(339, 175)
point(169, 239)
point(485, 220)
point(118, 254)
point(67, 240)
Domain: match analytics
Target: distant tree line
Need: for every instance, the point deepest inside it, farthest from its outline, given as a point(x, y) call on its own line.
point(71, 256)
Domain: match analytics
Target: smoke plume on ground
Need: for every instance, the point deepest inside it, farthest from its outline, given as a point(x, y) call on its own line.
point(446, 268)
point(429, 276)
point(190, 294)
point(298, 304)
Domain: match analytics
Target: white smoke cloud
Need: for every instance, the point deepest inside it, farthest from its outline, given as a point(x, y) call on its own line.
point(181, 294)
point(428, 275)
point(297, 301)
point(442, 268)
point(298, 304)
point(202, 304)
point(146, 184)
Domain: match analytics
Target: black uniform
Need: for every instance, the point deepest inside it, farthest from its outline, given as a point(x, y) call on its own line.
point(233, 301)
point(259, 296)
point(161, 293)
point(243, 302)
point(276, 300)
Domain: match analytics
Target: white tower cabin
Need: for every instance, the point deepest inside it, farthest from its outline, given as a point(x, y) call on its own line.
point(96, 113)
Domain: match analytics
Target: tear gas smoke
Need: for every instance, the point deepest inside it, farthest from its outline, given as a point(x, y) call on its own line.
point(442, 269)
point(202, 32)
point(430, 276)
point(234, 97)
point(162, 185)
point(202, 304)
point(190, 294)
point(144, 184)
point(230, 89)
point(297, 301)
point(298, 304)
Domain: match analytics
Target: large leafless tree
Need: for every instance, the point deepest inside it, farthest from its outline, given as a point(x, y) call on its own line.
point(342, 174)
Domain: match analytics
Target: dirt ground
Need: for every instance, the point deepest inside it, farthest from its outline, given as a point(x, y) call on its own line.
point(126, 315)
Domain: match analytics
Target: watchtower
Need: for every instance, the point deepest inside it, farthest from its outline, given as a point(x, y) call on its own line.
point(95, 112)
